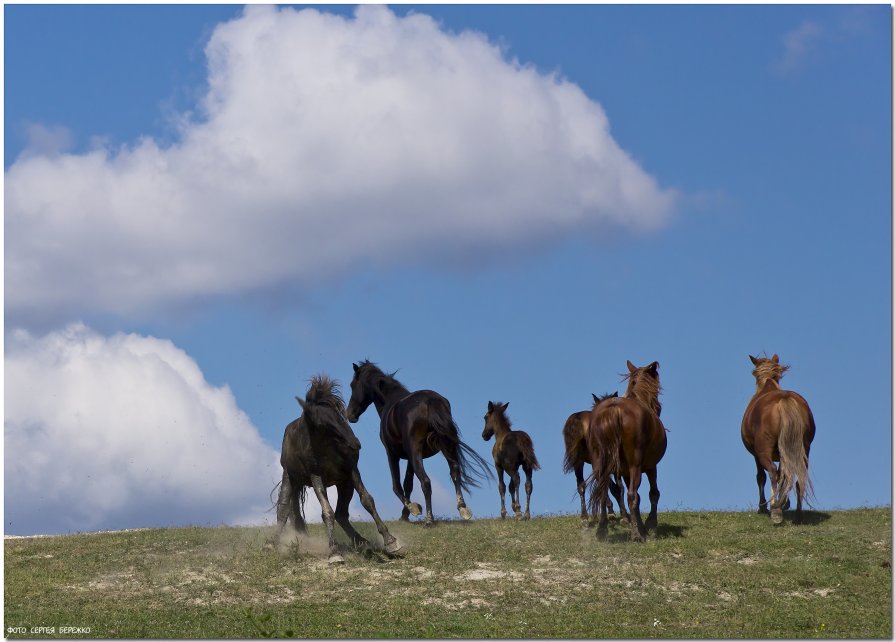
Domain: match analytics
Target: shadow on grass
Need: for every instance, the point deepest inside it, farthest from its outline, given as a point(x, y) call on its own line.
point(622, 534)
point(809, 517)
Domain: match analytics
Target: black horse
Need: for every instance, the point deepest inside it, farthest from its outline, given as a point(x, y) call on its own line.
point(321, 450)
point(415, 426)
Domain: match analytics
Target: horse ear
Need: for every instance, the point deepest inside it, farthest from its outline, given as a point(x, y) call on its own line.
point(614, 394)
point(631, 367)
point(490, 407)
point(754, 360)
point(355, 366)
point(596, 399)
point(654, 367)
point(506, 405)
point(775, 359)
point(301, 402)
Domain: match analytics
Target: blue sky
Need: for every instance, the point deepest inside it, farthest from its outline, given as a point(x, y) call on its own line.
point(683, 184)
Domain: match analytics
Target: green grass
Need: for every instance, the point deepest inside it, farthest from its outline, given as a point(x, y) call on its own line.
point(705, 575)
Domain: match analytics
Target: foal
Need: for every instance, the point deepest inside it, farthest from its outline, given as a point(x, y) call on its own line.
point(512, 448)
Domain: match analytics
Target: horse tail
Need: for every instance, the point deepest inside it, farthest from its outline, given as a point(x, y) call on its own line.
point(527, 449)
point(446, 434)
point(284, 498)
point(791, 444)
point(573, 438)
point(604, 436)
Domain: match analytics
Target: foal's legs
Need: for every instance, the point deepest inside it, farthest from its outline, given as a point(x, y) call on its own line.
point(652, 521)
point(408, 490)
point(453, 461)
point(502, 489)
point(366, 499)
point(393, 461)
point(528, 488)
point(328, 518)
point(514, 492)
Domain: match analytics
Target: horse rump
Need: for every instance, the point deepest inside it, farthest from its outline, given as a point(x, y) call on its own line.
point(447, 437)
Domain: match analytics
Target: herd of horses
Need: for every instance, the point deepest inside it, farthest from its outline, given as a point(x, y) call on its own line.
point(621, 438)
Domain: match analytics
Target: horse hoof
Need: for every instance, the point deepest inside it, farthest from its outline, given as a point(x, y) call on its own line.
point(637, 537)
point(429, 523)
point(405, 518)
point(503, 514)
point(776, 516)
point(651, 524)
point(602, 533)
point(336, 559)
point(394, 549)
point(526, 516)
point(586, 523)
point(465, 513)
point(415, 509)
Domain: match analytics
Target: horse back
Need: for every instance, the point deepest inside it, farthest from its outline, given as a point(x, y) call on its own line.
point(631, 426)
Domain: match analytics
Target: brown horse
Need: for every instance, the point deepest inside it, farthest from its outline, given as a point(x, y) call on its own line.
point(414, 426)
point(778, 426)
point(626, 437)
point(320, 450)
point(573, 433)
point(512, 449)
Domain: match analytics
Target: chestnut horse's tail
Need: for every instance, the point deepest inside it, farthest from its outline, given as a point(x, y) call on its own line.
point(604, 442)
point(794, 424)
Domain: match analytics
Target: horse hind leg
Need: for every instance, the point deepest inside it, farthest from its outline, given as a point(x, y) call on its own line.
point(425, 484)
point(453, 461)
point(502, 489)
point(393, 465)
point(529, 487)
point(638, 532)
point(408, 490)
point(579, 479)
point(761, 477)
point(616, 490)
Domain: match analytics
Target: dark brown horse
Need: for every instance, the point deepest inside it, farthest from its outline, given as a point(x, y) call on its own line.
point(512, 449)
point(320, 450)
point(415, 426)
point(573, 433)
point(778, 426)
point(626, 437)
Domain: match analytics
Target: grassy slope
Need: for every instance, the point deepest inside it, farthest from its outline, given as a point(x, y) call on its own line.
point(705, 575)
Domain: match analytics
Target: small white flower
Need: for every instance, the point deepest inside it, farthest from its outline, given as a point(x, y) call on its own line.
point(656, 622)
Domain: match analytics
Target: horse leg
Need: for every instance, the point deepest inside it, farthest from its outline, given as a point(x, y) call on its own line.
point(408, 490)
point(616, 490)
point(528, 488)
point(346, 492)
point(502, 489)
point(652, 521)
point(392, 547)
point(425, 484)
point(454, 465)
point(760, 477)
point(638, 532)
point(514, 486)
point(775, 501)
point(393, 461)
point(579, 479)
point(328, 519)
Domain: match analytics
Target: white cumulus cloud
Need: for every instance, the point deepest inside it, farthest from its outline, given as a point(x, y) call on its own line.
point(124, 431)
point(321, 144)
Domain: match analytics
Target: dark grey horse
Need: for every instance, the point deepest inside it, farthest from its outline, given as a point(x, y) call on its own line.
point(321, 450)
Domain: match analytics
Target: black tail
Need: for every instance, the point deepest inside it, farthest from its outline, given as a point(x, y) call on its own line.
point(447, 435)
point(284, 498)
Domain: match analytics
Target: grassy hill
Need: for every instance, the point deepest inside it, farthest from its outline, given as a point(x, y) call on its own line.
point(703, 575)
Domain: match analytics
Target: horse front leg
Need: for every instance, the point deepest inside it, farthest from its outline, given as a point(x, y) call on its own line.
point(638, 532)
point(328, 519)
point(408, 490)
point(425, 484)
point(502, 489)
point(651, 476)
point(346, 492)
point(579, 480)
point(393, 460)
point(392, 547)
point(515, 488)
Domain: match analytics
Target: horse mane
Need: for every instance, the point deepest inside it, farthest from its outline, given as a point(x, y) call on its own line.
point(324, 391)
point(646, 391)
point(373, 374)
point(768, 370)
point(502, 415)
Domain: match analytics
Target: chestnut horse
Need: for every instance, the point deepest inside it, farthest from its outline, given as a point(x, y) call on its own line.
point(626, 437)
point(512, 449)
point(573, 433)
point(414, 426)
point(778, 426)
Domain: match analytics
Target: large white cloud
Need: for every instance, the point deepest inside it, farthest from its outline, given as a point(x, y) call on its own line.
point(322, 143)
point(124, 431)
